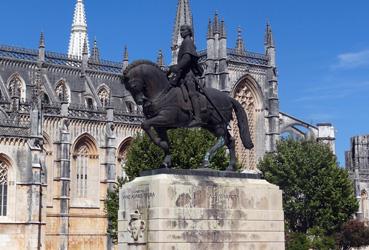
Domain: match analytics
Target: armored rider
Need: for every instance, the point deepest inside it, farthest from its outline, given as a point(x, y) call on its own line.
point(186, 70)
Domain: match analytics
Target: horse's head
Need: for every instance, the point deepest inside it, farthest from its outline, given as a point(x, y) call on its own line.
point(135, 86)
point(143, 79)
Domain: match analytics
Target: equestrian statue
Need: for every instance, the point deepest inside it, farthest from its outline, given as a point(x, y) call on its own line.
point(177, 99)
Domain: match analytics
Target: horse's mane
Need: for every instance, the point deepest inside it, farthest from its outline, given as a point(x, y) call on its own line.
point(139, 62)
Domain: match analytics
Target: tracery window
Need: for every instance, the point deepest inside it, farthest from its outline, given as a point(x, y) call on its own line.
point(3, 188)
point(85, 174)
point(130, 107)
point(45, 98)
point(82, 158)
point(62, 92)
point(247, 96)
point(17, 87)
point(104, 96)
point(122, 158)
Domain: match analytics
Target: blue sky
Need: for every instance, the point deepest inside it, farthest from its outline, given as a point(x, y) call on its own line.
point(322, 46)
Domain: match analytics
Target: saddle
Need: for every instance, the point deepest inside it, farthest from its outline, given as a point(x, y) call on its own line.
point(174, 97)
point(201, 98)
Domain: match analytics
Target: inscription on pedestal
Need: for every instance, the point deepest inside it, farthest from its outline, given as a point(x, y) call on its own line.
point(210, 197)
point(139, 194)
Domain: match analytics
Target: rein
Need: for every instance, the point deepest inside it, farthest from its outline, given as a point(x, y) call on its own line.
point(161, 95)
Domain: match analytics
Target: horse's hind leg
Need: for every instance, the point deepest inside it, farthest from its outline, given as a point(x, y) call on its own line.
point(218, 132)
point(164, 144)
point(211, 152)
point(230, 142)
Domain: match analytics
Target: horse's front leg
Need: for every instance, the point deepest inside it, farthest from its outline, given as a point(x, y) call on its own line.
point(164, 144)
point(146, 126)
point(159, 123)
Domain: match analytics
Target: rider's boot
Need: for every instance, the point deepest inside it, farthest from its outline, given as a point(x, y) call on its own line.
point(196, 110)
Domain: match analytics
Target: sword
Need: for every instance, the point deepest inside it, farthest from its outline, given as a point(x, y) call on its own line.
point(203, 92)
point(209, 100)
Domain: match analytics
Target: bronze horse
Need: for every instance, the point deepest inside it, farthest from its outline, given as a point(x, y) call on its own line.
point(166, 107)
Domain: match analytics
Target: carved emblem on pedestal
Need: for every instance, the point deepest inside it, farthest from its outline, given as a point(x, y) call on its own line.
point(136, 226)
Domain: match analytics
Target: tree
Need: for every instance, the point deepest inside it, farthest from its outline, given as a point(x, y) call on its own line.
point(316, 192)
point(313, 239)
point(354, 233)
point(297, 241)
point(112, 208)
point(188, 148)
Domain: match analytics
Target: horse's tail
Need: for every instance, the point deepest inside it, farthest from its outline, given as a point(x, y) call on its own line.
point(243, 124)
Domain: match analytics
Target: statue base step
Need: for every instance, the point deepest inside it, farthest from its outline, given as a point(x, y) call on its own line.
point(196, 210)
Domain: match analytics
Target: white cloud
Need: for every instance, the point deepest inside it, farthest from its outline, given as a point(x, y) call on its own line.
point(352, 60)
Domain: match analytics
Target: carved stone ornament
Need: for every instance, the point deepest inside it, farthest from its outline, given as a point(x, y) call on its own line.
point(136, 226)
point(66, 123)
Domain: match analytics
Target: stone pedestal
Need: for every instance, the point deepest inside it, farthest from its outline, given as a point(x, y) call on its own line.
point(200, 210)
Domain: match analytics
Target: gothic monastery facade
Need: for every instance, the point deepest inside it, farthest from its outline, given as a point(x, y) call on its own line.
point(66, 122)
point(357, 164)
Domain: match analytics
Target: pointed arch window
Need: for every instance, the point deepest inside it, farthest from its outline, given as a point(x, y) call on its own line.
point(122, 158)
point(104, 96)
point(62, 91)
point(3, 188)
point(130, 107)
point(90, 104)
point(85, 174)
point(45, 98)
point(17, 87)
point(247, 93)
point(82, 159)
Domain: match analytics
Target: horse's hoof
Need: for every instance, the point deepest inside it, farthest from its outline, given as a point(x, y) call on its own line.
point(167, 163)
point(230, 169)
point(164, 165)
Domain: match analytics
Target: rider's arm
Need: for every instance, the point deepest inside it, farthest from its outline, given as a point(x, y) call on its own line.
point(182, 64)
point(185, 61)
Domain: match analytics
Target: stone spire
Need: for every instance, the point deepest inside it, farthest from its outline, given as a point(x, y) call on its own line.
point(216, 73)
point(79, 31)
point(84, 57)
point(240, 44)
point(183, 16)
point(160, 59)
point(210, 30)
point(95, 54)
point(42, 40)
point(268, 40)
point(223, 33)
point(269, 45)
point(85, 48)
point(41, 48)
point(125, 58)
point(216, 23)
